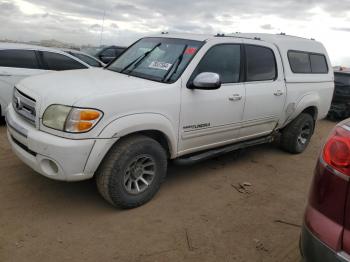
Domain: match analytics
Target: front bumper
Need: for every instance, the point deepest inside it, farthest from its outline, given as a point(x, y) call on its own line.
point(313, 250)
point(52, 156)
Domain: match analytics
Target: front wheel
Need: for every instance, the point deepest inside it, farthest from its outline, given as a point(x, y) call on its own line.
point(132, 172)
point(297, 135)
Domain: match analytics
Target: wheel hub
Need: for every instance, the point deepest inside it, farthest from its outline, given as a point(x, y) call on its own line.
point(139, 174)
point(304, 134)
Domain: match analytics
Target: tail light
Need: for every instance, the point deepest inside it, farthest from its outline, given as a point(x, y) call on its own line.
point(325, 214)
point(336, 152)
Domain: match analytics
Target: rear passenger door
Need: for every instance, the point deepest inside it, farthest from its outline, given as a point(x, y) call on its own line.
point(14, 66)
point(265, 89)
point(59, 62)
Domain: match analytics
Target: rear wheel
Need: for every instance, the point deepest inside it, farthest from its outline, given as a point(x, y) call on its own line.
point(132, 172)
point(297, 135)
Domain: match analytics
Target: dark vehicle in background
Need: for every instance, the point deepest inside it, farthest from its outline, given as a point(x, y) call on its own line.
point(109, 53)
point(90, 60)
point(326, 230)
point(340, 108)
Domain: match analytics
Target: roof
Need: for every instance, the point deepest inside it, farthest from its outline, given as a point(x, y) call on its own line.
point(26, 46)
point(271, 38)
point(196, 37)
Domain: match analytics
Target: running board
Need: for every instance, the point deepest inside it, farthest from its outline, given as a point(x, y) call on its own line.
point(192, 159)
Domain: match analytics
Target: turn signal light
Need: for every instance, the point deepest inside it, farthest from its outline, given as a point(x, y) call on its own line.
point(89, 115)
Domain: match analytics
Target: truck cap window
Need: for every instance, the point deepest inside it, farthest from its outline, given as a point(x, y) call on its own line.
point(261, 63)
point(19, 59)
point(307, 63)
point(318, 64)
point(224, 60)
point(158, 59)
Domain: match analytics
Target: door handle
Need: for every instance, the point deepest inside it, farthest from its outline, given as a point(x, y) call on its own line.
point(278, 93)
point(235, 97)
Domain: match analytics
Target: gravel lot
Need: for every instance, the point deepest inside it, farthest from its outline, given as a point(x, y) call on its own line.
point(200, 213)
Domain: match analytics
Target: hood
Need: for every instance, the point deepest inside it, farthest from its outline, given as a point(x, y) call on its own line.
point(67, 87)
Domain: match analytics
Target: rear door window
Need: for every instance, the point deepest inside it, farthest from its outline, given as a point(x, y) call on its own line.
point(224, 60)
point(58, 62)
point(261, 63)
point(19, 59)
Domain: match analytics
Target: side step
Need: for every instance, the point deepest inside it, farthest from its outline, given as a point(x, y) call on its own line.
point(195, 158)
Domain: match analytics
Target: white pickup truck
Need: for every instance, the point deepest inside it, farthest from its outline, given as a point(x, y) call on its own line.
point(169, 97)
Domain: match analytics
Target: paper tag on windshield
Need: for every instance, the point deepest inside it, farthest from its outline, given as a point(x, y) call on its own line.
point(160, 65)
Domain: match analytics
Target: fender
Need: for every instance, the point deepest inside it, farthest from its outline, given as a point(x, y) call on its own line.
point(295, 109)
point(126, 125)
point(133, 123)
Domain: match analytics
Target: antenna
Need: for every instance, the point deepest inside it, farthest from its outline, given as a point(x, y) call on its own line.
point(103, 25)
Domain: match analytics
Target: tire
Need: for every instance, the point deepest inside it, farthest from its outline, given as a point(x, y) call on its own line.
point(119, 177)
point(297, 135)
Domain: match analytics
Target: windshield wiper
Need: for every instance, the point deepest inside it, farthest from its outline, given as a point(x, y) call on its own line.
point(138, 60)
point(176, 65)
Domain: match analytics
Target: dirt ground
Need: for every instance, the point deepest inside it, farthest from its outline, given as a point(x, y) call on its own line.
point(198, 215)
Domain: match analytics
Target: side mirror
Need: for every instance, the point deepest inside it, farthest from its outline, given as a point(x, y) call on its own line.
point(206, 81)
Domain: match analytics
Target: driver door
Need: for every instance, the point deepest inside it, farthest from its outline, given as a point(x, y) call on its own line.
point(210, 118)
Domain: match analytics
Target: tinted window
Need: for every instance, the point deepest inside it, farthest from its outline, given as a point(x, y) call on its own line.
point(261, 63)
point(60, 62)
point(224, 60)
point(108, 52)
point(18, 58)
point(119, 51)
point(87, 59)
point(299, 62)
point(318, 64)
point(342, 79)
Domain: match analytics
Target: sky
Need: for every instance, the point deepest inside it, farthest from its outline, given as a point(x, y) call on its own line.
point(80, 21)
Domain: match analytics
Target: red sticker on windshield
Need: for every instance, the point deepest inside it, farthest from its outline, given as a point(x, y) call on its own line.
point(190, 50)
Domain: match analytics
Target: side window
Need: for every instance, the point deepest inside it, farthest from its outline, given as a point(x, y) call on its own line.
point(342, 79)
point(318, 64)
point(261, 63)
point(60, 62)
point(119, 51)
point(224, 60)
point(19, 59)
point(87, 59)
point(110, 52)
point(299, 62)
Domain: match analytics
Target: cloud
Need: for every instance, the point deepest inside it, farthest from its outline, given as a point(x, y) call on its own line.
point(80, 22)
point(343, 29)
point(267, 27)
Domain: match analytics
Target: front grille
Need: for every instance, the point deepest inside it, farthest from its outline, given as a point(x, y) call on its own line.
point(24, 105)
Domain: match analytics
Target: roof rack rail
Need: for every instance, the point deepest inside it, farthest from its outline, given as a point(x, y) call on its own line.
point(165, 33)
point(219, 35)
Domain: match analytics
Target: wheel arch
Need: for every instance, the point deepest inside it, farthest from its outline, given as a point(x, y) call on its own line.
point(154, 126)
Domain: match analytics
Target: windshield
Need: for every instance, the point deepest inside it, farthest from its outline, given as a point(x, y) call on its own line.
point(159, 59)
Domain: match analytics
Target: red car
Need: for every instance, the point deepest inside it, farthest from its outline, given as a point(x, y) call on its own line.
point(326, 231)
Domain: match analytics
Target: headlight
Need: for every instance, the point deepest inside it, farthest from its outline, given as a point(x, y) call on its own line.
point(71, 119)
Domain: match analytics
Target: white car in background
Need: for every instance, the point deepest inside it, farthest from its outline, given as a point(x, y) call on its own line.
point(18, 61)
